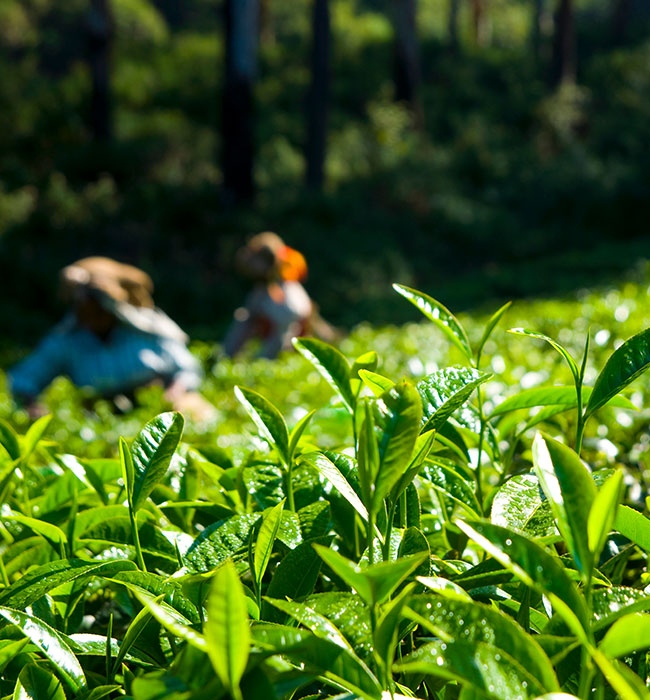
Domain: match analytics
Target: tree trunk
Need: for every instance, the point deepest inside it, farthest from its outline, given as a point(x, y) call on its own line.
point(407, 62)
point(563, 68)
point(621, 13)
point(479, 22)
point(100, 31)
point(267, 29)
point(242, 38)
point(452, 25)
point(318, 97)
point(536, 31)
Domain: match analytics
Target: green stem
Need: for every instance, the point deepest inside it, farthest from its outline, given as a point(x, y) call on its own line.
point(389, 529)
point(370, 531)
point(586, 674)
point(402, 509)
point(3, 573)
point(581, 421)
point(479, 469)
point(289, 488)
point(136, 540)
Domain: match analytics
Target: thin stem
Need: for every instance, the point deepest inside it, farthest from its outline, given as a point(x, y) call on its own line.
point(479, 470)
point(389, 529)
point(136, 540)
point(289, 488)
point(369, 537)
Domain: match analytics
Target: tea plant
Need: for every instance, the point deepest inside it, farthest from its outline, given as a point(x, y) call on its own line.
point(438, 545)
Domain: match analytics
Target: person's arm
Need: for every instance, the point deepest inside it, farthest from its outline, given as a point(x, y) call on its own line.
point(28, 378)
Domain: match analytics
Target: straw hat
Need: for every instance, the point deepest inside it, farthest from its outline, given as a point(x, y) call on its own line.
point(123, 290)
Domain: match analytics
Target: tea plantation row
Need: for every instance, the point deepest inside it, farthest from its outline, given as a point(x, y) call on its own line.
point(443, 510)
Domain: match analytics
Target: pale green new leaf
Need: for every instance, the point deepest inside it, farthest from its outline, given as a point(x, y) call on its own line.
point(633, 525)
point(377, 383)
point(297, 432)
point(265, 540)
point(627, 635)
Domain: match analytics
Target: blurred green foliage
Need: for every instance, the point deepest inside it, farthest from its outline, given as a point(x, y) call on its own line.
point(507, 190)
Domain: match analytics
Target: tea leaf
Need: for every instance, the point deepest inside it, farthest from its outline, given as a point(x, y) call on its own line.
point(563, 397)
point(623, 367)
point(227, 630)
point(265, 541)
point(40, 580)
point(332, 365)
point(534, 566)
point(440, 315)
point(626, 635)
point(377, 383)
point(152, 452)
point(570, 491)
point(33, 436)
point(475, 623)
point(490, 326)
point(51, 643)
point(268, 419)
point(9, 440)
point(603, 512)
point(562, 350)
point(633, 525)
point(521, 504)
point(486, 668)
point(331, 472)
point(297, 432)
point(444, 391)
point(397, 424)
point(35, 683)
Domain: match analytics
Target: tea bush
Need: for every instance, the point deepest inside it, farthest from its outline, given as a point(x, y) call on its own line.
point(473, 530)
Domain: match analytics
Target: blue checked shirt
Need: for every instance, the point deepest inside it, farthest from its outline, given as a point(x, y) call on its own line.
point(128, 359)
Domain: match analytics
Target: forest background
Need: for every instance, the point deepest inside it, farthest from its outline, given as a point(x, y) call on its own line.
point(476, 149)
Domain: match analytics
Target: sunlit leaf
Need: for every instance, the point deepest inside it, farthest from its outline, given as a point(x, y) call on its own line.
point(440, 315)
point(331, 364)
point(445, 391)
point(152, 452)
point(570, 491)
point(227, 630)
point(624, 365)
point(268, 419)
point(51, 642)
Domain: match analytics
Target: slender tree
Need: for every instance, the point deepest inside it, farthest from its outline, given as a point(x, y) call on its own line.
point(479, 22)
point(539, 9)
point(406, 53)
point(318, 96)
point(621, 15)
point(563, 68)
point(100, 31)
point(452, 25)
point(242, 39)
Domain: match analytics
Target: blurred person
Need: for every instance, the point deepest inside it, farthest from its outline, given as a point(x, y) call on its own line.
point(278, 308)
point(112, 341)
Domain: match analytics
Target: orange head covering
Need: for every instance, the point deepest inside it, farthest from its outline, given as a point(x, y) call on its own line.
point(266, 257)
